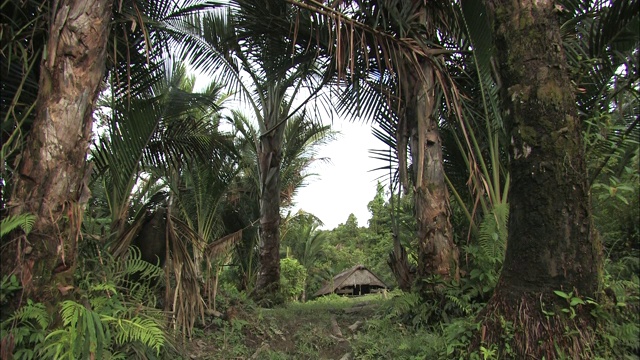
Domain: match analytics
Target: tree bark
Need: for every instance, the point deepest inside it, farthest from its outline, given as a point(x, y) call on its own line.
point(400, 267)
point(551, 244)
point(52, 174)
point(437, 253)
point(269, 161)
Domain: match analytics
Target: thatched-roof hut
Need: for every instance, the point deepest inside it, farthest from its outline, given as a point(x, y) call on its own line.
point(355, 281)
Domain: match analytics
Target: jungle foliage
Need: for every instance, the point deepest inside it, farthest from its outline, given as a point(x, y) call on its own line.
point(169, 246)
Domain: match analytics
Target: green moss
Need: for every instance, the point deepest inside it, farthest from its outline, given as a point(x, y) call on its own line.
point(526, 20)
point(519, 93)
point(528, 135)
point(501, 14)
point(514, 62)
point(550, 93)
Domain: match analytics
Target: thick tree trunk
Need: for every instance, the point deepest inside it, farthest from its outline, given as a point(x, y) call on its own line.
point(437, 253)
point(551, 244)
point(269, 161)
point(52, 173)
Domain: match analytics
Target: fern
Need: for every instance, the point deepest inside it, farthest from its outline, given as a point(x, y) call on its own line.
point(404, 304)
point(493, 233)
point(59, 345)
point(140, 278)
point(135, 265)
point(110, 288)
point(146, 331)
point(91, 334)
point(25, 329)
point(462, 305)
point(109, 321)
point(488, 253)
point(23, 221)
point(85, 330)
point(628, 334)
point(28, 312)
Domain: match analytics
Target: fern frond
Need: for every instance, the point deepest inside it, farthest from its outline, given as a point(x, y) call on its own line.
point(628, 334)
point(86, 330)
point(464, 307)
point(108, 287)
point(404, 304)
point(492, 238)
point(146, 331)
point(135, 265)
point(71, 312)
point(31, 311)
point(23, 221)
point(58, 345)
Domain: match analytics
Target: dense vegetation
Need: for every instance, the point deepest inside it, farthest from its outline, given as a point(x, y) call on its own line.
point(143, 217)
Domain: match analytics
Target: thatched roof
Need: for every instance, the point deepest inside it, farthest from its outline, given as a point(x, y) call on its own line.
point(357, 275)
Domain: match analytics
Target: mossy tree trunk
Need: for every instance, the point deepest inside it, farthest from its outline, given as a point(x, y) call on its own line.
point(551, 243)
point(51, 182)
point(437, 253)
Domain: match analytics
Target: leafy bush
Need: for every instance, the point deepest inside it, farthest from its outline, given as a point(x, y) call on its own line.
point(292, 278)
point(620, 316)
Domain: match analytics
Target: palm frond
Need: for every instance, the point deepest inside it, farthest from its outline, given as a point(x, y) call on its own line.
point(222, 245)
point(599, 39)
point(185, 300)
point(24, 33)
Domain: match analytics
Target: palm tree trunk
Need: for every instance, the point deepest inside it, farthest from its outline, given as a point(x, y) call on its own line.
point(52, 174)
point(437, 253)
point(400, 267)
point(269, 161)
point(551, 243)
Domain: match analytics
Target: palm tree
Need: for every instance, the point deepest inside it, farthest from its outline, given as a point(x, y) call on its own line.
point(408, 105)
point(301, 139)
point(437, 253)
point(167, 166)
point(552, 247)
point(84, 42)
point(277, 71)
point(323, 32)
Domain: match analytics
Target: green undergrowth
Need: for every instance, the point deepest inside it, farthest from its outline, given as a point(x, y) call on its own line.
point(293, 331)
point(371, 327)
point(397, 325)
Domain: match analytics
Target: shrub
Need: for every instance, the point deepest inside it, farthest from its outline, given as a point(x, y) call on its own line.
point(292, 278)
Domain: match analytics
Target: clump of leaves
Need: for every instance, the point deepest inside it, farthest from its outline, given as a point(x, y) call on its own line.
point(293, 278)
point(487, 254)
point(22, 221)
point(101, 327)
point(106, 319)
point(8, 287)
point(619, 313)
point(24, 331)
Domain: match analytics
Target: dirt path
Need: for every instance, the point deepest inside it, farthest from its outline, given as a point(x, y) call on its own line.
point(314, 330)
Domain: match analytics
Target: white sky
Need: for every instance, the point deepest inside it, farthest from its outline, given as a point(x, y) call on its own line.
point(345, 185)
